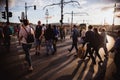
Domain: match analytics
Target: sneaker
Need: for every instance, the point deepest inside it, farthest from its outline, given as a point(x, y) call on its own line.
point(69, 50)
point(75, 55)
point(36, 53)
point(30, 68)
point(88, 57)
point(106, 56)
point(100, 62)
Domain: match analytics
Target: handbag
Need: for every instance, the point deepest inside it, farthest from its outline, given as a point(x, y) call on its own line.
point(81, 52)
point(30, 37)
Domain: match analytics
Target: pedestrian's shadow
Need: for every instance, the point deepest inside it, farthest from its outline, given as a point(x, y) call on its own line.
point(53, 65)
point(101, 70)
point(70, 77)
point(83, 69)
point(65, 77)
point(90, 73)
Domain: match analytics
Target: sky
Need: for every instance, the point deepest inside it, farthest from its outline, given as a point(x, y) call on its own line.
point(99, 11)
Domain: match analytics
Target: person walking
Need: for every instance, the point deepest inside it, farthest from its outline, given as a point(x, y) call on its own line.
point(39, 33)
point(104, 41)
point(49, 40)
point(89, 39)
point(24, 30)
point(97, 43)
point(55, 38)
point(116, 50)
point(75, 35)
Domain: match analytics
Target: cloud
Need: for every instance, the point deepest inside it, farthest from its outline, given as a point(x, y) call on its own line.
point(38, 2)
point(83, 2)
point(112, 6)
point(11, 4)
point(117, 1)
point(2, 2)
point(2, 5)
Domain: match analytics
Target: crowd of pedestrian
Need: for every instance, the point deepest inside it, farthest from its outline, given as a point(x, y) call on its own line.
point(93, 39)
point(49, 33)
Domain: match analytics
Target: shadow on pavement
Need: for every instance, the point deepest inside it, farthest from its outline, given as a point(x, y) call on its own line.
point(52, 65)
point(83, 70)
point(101, 70)
point(65, 77)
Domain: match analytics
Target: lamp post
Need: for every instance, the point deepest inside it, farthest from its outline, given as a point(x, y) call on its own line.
point(114, 17)
point(62, 3)
point(61, 12)
point(47, 15)
point(72, 13)
point(7, 11)
point(26, 8)
point(71, 20)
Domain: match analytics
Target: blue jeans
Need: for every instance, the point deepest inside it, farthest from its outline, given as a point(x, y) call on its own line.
point(26, 48)
point(49, 46)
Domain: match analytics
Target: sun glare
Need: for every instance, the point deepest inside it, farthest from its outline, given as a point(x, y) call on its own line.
point(108, 16)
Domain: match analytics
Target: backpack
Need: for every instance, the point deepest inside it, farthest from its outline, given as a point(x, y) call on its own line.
point(75, 33)
point(38, 32)
point(81, 52)
point(30, 37)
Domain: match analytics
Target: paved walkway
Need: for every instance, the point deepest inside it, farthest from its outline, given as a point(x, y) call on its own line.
point(61, 66)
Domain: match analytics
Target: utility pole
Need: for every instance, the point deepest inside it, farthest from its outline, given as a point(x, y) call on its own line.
point(47, 15)
point(71, 20)
point(7, 11)
point(113, 25)
point(104, 21)
point(61, 13)
point(72, 14)
point(26, 8)
point(83, 21)
point(62, 3)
